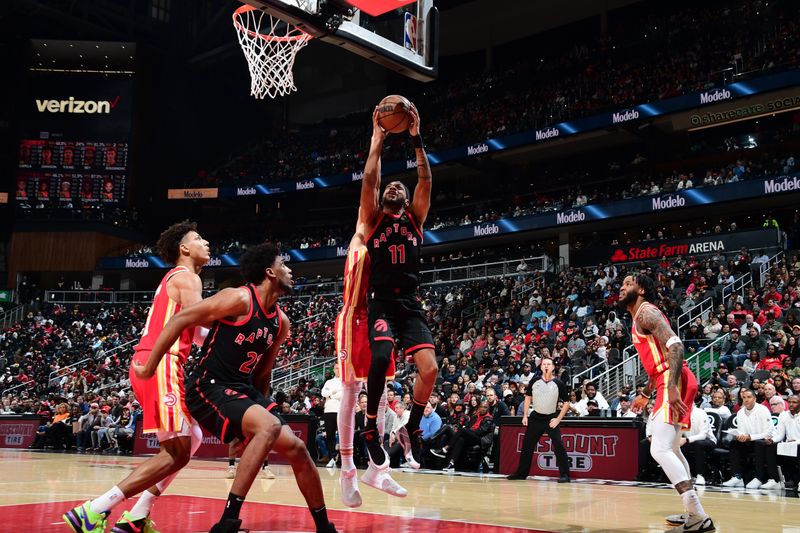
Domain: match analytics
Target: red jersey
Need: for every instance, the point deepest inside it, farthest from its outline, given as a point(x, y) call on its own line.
point(161, 310)
point(356, 278)
point(653, 355)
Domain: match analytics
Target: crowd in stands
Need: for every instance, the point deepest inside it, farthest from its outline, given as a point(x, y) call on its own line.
point(563, 191)
point(490, 337)
point(648, 56)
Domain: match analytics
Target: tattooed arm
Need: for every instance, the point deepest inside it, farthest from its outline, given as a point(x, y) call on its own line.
point(653, 321)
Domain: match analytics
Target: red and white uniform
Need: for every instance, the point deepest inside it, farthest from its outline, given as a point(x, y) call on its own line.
point(656, 364)
point(352, 329)
point(163, 398)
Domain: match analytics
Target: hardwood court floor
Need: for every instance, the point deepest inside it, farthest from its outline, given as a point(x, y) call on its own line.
point(36, 488)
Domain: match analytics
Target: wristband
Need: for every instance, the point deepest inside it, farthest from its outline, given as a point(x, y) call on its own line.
point(416, 141)
point(673, 340)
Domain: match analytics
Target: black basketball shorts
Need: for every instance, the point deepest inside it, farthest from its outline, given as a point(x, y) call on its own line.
point(219, 407)
point(400, 318)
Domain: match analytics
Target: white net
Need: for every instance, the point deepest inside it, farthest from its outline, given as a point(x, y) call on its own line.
point(270, 46)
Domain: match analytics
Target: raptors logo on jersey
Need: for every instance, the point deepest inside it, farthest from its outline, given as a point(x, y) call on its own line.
point(233, 350)
point(394, 250)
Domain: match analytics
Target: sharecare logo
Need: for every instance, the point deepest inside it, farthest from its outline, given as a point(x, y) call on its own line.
point(245, 191)
point(668, 202)
point(781, 185)
point(137, 263)
point(491, 229)
point(549, 133)
point(630, 114)
point(715, 96)
point(477, 149)
point(570, 217)
point(72, 105)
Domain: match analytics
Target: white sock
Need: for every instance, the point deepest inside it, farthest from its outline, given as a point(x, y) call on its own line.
point(346, 422)
point(382, 414)
point(107, 501)
point(691, 502)
point(143, 506)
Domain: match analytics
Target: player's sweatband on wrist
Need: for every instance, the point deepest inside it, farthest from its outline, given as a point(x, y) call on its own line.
point(416, 141)
point(674, 340)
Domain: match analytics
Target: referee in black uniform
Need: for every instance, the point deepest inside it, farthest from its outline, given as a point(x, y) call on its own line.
point(544, 394)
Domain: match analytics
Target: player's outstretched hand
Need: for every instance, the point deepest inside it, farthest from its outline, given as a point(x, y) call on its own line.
point(141, 370)
point(675, 402)
point(377, 132)
point(413, 125)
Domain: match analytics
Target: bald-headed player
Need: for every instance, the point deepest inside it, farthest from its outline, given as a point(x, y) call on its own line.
point(393, 229)
point(353, 343)
point(661, 352)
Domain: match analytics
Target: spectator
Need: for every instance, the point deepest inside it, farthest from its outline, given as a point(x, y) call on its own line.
point(698, 442)
point(480, 425)
point(332, 391)
point(753, 438)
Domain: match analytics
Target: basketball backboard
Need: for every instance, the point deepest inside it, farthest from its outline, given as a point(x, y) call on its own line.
point(407, 45)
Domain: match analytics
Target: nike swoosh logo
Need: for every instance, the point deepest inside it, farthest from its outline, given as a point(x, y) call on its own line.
point(85, 518)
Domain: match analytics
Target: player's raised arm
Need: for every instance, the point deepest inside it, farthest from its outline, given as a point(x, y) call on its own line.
point(226, 303)
point(263, 374)
point(421, 203)
point(371, 184)
point(652, 320)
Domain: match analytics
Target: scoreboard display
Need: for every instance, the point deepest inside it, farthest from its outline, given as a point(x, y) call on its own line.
point(74, 160)
point(63, 172)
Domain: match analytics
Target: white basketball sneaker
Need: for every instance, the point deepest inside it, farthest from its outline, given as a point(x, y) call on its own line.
point(771, 485)
point(348, 481)
point(231, 471)
point(700, 480)
point(755, 483)
point(734, 482)
point(380, 479)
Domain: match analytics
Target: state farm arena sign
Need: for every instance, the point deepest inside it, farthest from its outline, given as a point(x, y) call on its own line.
point(725, 243)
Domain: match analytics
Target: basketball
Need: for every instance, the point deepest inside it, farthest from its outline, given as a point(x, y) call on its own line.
point(393, 114)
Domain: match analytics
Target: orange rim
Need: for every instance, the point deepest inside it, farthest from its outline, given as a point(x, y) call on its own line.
point(244, 8)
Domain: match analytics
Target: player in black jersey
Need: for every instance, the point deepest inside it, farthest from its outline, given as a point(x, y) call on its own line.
point(227, 391)
point(394, 240)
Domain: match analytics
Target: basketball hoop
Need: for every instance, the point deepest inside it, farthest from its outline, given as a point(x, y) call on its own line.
point(270, 46)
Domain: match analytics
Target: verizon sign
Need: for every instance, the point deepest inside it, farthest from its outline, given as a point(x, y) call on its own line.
point(75, 106)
